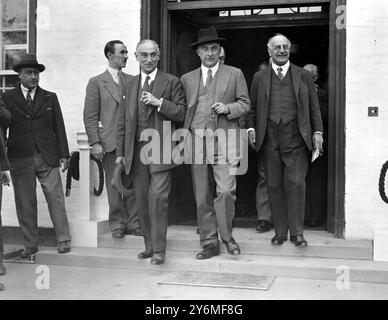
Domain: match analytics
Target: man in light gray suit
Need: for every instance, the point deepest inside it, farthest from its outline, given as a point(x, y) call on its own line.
point(217, 96)
point(103, 97)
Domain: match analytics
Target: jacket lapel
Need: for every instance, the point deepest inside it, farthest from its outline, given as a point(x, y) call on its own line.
point(38, 101)
point(223, 79)
point(192, 90)
point(158, 88)
point(133, 102)
point(21, 101)
point(111, 86)
point(267, 80)
point(296, 77)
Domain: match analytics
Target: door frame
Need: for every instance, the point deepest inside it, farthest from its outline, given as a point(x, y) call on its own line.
point(156, 24)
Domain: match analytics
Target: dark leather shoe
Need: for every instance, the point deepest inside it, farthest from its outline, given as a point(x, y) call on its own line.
point(278, 239)
point(3, 270)
point(28, 252)
point(208, 251)
point(145, 254)
point(118, 234)
point(157, 258)
point(136, 232)
point(232, 247)
point(263, 226)
point(299, 241)
point(64, 247)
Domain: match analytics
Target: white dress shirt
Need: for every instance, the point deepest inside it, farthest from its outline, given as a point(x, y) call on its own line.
point(152, 76)
point(205, 70)
point(114, 74)
point(284, 67)
point(25, 91)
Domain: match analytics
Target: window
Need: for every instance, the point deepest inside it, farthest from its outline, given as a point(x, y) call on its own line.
point(14, 38)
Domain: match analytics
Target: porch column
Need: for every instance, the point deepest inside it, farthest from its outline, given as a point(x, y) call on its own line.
point(92, 219)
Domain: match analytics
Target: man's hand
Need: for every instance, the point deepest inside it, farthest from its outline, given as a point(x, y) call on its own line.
point(220, 108)
point(97, 150)
point(318, 142)
point(119, 160)
point(64, 164)
point(148, 98)
point(252, 138)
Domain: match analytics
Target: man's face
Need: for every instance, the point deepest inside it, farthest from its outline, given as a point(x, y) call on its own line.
point(29, 77)
point(148, 56)
point(222, 55)
point(209, 53)
point(279, 50)
point(118, 59)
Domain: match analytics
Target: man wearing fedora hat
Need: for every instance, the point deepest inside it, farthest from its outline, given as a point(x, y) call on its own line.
point(217, 96)
point(36, 148)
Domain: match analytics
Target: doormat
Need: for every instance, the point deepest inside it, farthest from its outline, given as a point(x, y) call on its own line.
point(220, 280)
point(13, 256)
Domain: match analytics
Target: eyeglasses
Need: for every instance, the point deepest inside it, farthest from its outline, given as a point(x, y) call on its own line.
point(279, 47)
point(145, 55)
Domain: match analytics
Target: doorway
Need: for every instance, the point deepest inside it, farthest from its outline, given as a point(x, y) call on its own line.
point(247, 29)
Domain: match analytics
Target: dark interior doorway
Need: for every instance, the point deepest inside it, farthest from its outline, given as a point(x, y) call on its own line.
point(246, 49)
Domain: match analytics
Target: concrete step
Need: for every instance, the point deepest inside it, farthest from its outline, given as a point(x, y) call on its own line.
point(264, 265)
point(321, 244)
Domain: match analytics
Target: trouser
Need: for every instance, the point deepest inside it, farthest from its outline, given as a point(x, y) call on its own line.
point(24, 183)
point(122, 210)
point(263, 207)
point(1, 231)
point(152, 190)
point(286, 160)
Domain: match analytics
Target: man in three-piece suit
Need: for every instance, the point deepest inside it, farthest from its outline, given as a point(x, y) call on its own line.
point(101, 111)
point(5, 118)
point(151, 100)
point(284, 126)
point(217, 96)
point(36, 147)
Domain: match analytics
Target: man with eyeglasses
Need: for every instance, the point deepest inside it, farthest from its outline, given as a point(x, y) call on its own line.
point(285, 125)
point(152, 100)
point(101, 112)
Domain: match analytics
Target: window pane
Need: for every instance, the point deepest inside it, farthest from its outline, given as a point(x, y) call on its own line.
point(16, 37)
point(11, 81)
point(12, 57)
point(14, 14)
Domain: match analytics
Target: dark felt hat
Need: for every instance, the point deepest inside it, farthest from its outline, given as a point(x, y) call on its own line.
point(28, 61)
point(121, 181)
point(207, 35)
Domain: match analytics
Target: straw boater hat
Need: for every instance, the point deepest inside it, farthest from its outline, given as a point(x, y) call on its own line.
point(207, 35)
point(28, 61)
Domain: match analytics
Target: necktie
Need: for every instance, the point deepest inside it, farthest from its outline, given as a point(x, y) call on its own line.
point(28, 98)
point(120, 77)
point(280, 74)
point(146, 85)
point(209, 78)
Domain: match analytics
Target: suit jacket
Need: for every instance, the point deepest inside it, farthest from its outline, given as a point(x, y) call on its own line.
point(102, 103)
point(173, 109)
point(231, 90)
point(5, 118)
point(309, 114)
point(41, 126)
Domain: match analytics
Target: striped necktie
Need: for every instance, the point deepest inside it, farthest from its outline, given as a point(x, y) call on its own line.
point(280, 74)
point(29, 98)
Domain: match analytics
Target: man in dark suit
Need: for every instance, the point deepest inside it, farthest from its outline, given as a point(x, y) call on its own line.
point(5, 118)
point(285, 125)
point(101, 111)
point(217, 96)
point(36, 147)
point(151, 101)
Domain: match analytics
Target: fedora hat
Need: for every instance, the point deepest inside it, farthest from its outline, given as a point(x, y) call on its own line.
point(207, 35)
point(28, 61)
point(121, 181)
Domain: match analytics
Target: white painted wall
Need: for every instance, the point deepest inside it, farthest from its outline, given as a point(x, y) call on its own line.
point(366, 137)
point(71, 36)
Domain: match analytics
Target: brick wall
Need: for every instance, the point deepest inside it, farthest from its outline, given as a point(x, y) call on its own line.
point(71, 36)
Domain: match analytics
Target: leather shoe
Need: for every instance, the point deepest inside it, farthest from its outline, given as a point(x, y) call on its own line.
point(263, 226)
point(28, 252)
point(299, 241)
point(232, 247)
point(64, 247)
point(136, 232)
point(145, 254)
point(3, 270)
point(208, 251)
point(278, 239)
point(117, 234)
point(157, 258)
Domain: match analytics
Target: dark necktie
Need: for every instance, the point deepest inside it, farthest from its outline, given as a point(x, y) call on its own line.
point(28, 98)
point(209, 78)
point(120, 77)
point(280, 74)
point(146, 85)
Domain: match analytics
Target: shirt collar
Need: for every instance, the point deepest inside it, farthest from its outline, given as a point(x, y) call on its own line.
point(113, 72)
point(284, 67)
point(25, 90)
point(152, 76)
point(214, 69)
